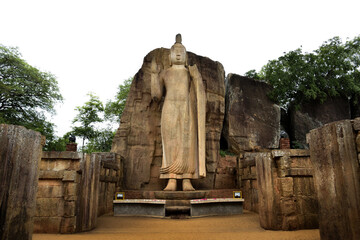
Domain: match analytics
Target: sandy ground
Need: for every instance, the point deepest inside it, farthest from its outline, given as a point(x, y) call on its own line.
point(245, 227)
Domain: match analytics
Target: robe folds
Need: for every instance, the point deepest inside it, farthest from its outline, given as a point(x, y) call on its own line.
point(182, 124)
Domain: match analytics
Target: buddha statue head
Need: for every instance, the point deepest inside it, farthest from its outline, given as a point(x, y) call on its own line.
point(178, 54)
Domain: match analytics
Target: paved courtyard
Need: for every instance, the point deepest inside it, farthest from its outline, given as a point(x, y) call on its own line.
point(245, 227)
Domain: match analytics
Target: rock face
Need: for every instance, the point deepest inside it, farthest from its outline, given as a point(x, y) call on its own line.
point(20, 153)
point(334, 156)
point(138, 138)
point(252, 120)
point(313, 115)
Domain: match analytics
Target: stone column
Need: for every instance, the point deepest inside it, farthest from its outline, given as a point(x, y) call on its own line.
point(89, 192)
point(269, 210)
point(20, 153)
point(337, 180)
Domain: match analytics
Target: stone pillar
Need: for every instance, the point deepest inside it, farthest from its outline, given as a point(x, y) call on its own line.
point(20, 153)
point(89, 192)
point(269, 210)
point(337, 180)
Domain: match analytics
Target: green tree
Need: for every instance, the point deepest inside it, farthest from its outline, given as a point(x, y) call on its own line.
point(101, 143)
point(332, 70)
point(253, 74)
point(26, 93)
point(114, 108)
point(88, 115)
point(58, 143)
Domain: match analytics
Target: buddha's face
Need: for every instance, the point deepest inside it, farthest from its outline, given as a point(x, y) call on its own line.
point(178, 55)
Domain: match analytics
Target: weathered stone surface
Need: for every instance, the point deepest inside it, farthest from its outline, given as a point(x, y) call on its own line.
point(68, 225)
point(337, 180)
point(313, 115)
point(50, 189)
point(20, 153)
point(284, 201)
point(356, 124)
point(252, 120)
point(47, 224)
point(49, 207)
point(138, 138)
point(88, 194)
point(269, 207)
point(61, 155)
point(225, 177)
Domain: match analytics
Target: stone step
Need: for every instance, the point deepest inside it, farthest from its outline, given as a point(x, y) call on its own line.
point(177, 209)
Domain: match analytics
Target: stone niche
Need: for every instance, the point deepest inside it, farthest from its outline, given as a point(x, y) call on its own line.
point(138, 138)
point(252, 120)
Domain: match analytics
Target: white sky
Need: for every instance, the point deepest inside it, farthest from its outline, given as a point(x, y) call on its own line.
point(92, 46)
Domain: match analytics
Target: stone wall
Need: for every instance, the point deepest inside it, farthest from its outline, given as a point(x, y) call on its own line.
point(335, 149)
point(74, 189)
point(58, 191)
point(110, 181)
point(278, 184)
point(247, 181)
point(225, 177)
point(138, 138)
point(20, 153)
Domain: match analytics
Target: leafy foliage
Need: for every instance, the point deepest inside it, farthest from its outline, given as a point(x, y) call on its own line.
point(114, 108)
point(101, 143)
point(26, 93)
point(332, 70)
point(88, 115)
point(58, 143)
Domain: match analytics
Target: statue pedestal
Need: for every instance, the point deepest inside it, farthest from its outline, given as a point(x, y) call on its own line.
point(178, 204)
point(180, 195)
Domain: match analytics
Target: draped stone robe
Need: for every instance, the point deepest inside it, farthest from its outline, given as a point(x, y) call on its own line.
point(182, 122)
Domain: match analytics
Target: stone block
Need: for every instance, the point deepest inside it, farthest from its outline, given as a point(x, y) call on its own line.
point(74, 165)
point(308, 204)
point(61, 155)
point(290, 223)
point(287, 186)
point(288, 206)
point(47, 224)
point(70, 176)
point(49, 207)
point(62, 164)
point(50, 189)
point(68, 225)
point(51, 174)
point(300, 162)
point(225, 181)
point(253, 170)
point(69, 208)
point(70, 189)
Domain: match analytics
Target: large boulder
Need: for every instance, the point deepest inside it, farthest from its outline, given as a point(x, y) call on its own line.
point(138, 138)
point(311, 115)
point(252, 120)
